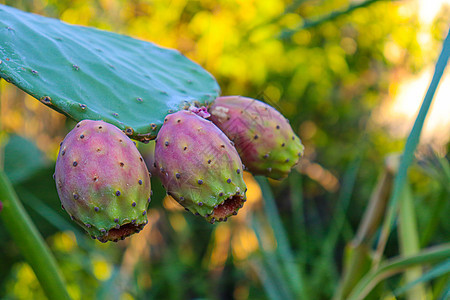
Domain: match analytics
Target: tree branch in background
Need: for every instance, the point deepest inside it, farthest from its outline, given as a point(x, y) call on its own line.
point(286, 34)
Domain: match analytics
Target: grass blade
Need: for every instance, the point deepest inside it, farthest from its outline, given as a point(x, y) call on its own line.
point(54, 218)
point(410, 147)
point(30, 242)
point(298, 214)
point(446, 294)
point(439, 169)
point(358, 259)
point(327, 270)
point(295, 277)
point(344, 197)
point(271, 262)
point(409, 241)
point(110, 290)
point(397, 265)
point(435, 217)
point(266, 280)
point(439, 270)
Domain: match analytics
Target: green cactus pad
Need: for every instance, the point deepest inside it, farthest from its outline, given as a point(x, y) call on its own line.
point(86, 73)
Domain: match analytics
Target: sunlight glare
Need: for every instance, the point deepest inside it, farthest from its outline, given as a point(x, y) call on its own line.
point(428, 10)
point(408, 96)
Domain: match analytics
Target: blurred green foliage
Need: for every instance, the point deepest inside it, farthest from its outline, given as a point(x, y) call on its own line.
point(328, 80)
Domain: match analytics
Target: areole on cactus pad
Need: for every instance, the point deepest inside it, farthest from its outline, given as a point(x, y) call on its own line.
point(262, 136)
point(102, 181)
point(199, 166)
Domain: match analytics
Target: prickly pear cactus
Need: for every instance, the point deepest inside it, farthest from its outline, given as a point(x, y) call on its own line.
point(262, 136)
point(199, 167)
point(87, 73)
point(102, 181)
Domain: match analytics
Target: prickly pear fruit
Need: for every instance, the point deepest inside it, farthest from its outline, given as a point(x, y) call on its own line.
point(262, 136)
point(200, 111)
point(148, 153)
point(199, 167)
point(102, 181)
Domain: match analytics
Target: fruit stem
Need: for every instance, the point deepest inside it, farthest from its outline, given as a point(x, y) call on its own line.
point(30, 242)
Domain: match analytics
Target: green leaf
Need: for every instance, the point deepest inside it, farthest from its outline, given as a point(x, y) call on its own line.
point(297, 202)
point(410, 148)
point(326, 269)
point(267, 282)
point(295, 276)
point(23, 158)
point(446, 294)
point(271, 264)
point(439, 270)
point(86, 73)
point(30, 242)
point(397, 265)
point(409, 240)
point(55, 219)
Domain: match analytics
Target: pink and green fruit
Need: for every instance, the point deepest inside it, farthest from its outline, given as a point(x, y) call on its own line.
point(263, 137)
point(102, 181)
point(199, 166)
point(148, 152)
